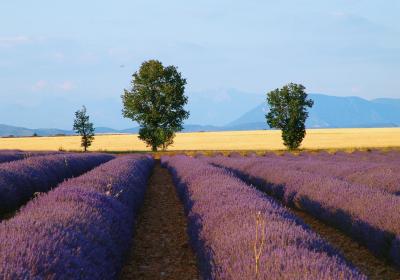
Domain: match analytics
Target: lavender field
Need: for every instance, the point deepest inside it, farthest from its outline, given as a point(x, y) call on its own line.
point(356, 193)
point(221, 211)
point(200, 140)
point(11, 155)
point(21, 179)
point(79, 230)
point(85, 216)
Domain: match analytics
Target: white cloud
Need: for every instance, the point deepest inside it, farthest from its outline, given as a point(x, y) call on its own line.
point(88, 57)
point(339, 14)
point(58, 56)
point(120, 53)
point(221, 96)
point(66, 86)
point(46, 85)
point(14, 40)
point(117, 52)
point(355, 89)
point(40, 85)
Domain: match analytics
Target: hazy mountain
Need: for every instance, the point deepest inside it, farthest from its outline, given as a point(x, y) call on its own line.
point(8, 130)
point(15, 131)
point(255, 115)
point(106, 130)
point(328, 111)
point(333, 111)
point(212, 107)
point(219, 107)
point(38, 113)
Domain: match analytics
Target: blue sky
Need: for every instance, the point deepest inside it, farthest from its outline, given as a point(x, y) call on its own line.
point(56, 56)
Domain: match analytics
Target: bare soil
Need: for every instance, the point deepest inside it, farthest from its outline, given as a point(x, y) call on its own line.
point(7, 216)
point(161, 248)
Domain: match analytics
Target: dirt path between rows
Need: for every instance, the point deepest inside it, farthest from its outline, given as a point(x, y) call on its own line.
point(7, 216)
point(161, 247)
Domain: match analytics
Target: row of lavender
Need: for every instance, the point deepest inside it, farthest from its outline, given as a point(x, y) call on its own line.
point(374, 169)
point(11, 155)
point(239, 233)
point(370, 169)
point(21, 179)
point(369, 215)
point(80, 230)
point(372, 156)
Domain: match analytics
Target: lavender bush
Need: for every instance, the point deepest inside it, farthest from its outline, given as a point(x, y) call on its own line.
point(372, 156)
point(384, 176)
point(12, 155)
point(7, 156)
point(224, 215)
point(370, 216)
point(80, 230)
point(20, 180)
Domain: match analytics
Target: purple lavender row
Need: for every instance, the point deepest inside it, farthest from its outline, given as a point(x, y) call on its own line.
point(383, 176)
point(370, 216)
point(12, 155)
point(222, 213)
point(376, 157)
point(20, 180)
point(374, 169)
point(372, 156)
point(80, 230)
point(7, 156)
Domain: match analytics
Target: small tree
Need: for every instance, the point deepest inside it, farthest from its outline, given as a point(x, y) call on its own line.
point(156, 101)
point(288, 112)
point(84, 128)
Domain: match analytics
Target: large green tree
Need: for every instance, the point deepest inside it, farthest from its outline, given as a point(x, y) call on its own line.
point(84, 128)
point(156, 101)
point(288, 112)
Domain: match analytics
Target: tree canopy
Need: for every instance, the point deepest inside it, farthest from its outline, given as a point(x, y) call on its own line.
point(84, 128)
point(156, 101)
point(288, 112)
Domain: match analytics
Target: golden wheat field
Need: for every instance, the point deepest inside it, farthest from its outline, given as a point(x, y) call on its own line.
point(232, 140)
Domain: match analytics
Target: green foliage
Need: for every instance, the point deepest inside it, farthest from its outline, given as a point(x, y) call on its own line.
point(156, 101)
point(84, 127)
point(288, 112)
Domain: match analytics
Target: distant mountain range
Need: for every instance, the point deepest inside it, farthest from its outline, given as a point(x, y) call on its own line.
point(8, 130)
point(15, 131)
point(327, 112)
point(332, 111)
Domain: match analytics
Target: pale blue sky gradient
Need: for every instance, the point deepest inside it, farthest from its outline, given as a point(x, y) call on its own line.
point(60, 55)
